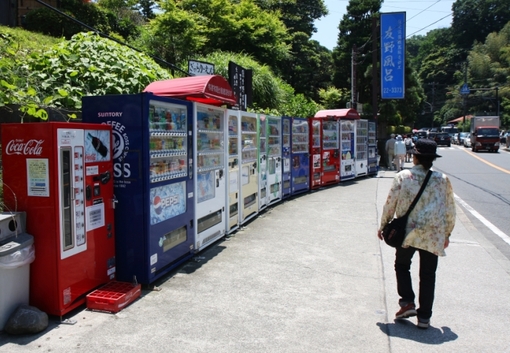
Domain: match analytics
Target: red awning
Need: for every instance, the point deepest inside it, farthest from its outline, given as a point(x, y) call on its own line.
point(338, 113)
point(208, 89)
point(460, 119)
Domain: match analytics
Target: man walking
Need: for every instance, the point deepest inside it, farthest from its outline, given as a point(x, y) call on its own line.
point(390, 151)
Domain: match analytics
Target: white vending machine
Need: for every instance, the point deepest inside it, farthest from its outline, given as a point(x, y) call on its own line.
point(233, 171)
point(274, 159)
point(210, 174)
point(249, 199)
point(347, 139)
point(361, 147)
point(263, 186)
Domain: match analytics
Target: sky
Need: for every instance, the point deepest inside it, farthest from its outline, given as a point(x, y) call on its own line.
point(421, 16)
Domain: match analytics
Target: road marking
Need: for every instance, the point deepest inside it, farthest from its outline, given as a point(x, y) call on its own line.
point(488, 163)
point(488, 224)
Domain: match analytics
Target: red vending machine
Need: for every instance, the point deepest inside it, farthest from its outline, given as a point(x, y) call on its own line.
point(315, 153)
point(61, 175)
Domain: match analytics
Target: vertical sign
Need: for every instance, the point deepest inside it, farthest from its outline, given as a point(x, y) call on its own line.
point(393, 49)
point(240, 80)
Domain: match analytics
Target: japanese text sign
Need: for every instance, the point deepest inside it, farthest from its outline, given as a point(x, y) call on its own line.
point(393, 50)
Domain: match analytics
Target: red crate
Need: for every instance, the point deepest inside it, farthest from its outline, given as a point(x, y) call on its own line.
point(113, 296)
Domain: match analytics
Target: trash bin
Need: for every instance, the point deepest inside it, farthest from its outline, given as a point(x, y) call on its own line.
point(16, 255)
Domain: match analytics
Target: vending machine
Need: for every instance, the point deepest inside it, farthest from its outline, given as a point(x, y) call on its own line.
point(330, 155)
point(249, 167)
point(300, 160)
point(262, 161)
point(286, 169)
point(315, 153)
point(210, 174)
point(233, 170)
point(61, 175)
point(274, 159)
point(372, 148)
point(361, 147)
point(347, 149)
point(153, 161)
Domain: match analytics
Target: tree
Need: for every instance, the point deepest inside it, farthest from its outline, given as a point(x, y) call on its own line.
point(174, 35)
point(242, 27)
point(355, 29)
point(473, 20)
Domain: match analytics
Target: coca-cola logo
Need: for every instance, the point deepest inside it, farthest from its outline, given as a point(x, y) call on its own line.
point(20, 147)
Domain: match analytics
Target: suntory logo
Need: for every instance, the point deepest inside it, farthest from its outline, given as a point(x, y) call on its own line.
point(28, 148)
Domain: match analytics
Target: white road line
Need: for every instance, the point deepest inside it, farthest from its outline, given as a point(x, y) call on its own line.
point(488, 224)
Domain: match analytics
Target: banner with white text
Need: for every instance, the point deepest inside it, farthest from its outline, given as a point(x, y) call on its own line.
point(393, 51)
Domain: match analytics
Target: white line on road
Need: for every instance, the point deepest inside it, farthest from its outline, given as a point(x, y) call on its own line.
point(488, 224)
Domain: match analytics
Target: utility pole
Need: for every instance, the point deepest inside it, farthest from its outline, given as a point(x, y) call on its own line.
point(353, 77)
point(465, 97)
point(375, 71)
point(433, 84)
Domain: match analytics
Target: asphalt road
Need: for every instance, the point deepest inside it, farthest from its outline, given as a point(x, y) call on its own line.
point(481, 182)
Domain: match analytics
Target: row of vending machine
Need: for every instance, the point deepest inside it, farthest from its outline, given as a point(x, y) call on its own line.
point(145, 182)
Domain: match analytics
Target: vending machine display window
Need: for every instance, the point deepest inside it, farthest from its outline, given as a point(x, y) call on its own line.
point(361, 147)
point(347, 168)
point(233, 170)
point(262, 161)
point(249, 166)
point(167, 145)
point(286, 171)
point(300, 155)
point(274, 160)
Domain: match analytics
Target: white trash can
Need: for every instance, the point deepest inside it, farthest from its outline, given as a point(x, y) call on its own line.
point(16, 255)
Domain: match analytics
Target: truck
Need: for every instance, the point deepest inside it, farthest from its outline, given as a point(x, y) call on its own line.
point(484, 133)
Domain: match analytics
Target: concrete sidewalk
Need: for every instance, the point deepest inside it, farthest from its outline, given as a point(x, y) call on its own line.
point(308, 275)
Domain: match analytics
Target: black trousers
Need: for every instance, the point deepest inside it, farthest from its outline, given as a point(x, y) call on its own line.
point(428, 266)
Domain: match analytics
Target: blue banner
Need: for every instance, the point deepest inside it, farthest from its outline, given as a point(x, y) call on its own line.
point(393, 51)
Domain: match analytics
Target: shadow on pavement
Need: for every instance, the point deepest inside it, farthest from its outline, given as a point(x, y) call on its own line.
point(408, 330)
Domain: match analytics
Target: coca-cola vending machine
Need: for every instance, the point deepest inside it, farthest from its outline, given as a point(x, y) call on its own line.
point(61, 175)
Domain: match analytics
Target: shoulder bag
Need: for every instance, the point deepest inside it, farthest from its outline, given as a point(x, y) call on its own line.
point(394, 232)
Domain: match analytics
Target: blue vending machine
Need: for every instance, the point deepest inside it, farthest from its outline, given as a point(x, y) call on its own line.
point(300, 156)
point(372, 148)
point(286, 170)
point(153, 181)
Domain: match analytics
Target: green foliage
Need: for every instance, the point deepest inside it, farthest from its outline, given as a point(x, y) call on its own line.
point(268, 90)
point(474, 20)
point(47, 21)
point(60, 76)
point(333, 98)
point(241, 26)
point(16, 47)
point(91, 65)
point(175, 35)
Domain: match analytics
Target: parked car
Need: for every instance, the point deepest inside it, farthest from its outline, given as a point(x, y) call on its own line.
point(503, 139)
point(467, 141)
point(443, 139)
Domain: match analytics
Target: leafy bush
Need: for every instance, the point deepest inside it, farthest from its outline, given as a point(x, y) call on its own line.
point(60, 76)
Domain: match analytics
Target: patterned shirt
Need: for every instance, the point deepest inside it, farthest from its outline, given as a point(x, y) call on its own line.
point(433, 217)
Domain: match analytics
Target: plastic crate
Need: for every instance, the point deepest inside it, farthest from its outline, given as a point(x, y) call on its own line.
point(113, 297)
